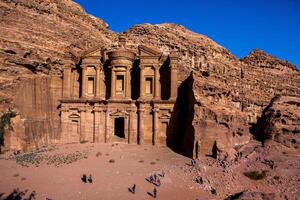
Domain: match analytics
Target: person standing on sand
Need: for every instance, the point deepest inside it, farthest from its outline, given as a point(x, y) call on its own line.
point(133, 189)
point(154, 192)
point(90, 180)
point(83, 178)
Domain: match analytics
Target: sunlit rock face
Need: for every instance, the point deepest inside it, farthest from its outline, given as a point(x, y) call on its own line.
point(280, 121)
point(219, 97)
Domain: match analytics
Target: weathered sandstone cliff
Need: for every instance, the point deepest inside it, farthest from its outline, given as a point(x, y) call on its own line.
point(218, 103)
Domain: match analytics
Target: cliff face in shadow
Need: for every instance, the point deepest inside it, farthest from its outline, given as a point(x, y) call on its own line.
point(182, 117)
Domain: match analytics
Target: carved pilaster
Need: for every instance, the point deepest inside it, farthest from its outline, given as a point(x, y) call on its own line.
point(82, 112)
point(67, 82)
point(128, 85)
point(113, 84)
point(157, 84)
point(155, 125)
point(98, 82)
point(142, 82)
point(102, 83)
point(141, 124)
point(173, 67)
point(106, 137)
point(84, 82)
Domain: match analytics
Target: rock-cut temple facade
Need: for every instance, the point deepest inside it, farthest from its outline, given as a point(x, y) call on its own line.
point(119, 95)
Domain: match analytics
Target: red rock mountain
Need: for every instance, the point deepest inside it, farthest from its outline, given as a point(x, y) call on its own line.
point(220, 97)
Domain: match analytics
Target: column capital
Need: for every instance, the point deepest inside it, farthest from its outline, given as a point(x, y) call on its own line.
point(156, 110)
point(68, 67)
point(142, 67)
point(64, 109)
point(141, 110)
point(83, 66)
point(81, 109)
point(97, 109)
point(156, 66)
point(173, 66)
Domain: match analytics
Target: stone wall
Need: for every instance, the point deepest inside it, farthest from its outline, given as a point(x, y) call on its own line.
point(38, 121)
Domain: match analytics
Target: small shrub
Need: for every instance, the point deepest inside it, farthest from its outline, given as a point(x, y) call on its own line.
point(152, 163)
point(5, 122)
point(111, 161)
point(98, 154)
point(141, 161)
point(276, 178)
point(213, 191)
point(293, 141)
point(256, 175)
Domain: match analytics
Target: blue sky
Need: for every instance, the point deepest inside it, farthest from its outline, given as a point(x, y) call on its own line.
point(238, 25)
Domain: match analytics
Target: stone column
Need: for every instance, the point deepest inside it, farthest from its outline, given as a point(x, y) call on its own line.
point(130, 126)
point(82, 123)
point(128, 84)
point(155, 125)
point(101, 125)
point(102, 83)
point(141, 82)
point(173, 93)
point(157, 84)
point(133, 124)
point(113, 83)
point(98, 82)
point(67, 82)
point(83, 82)
point(106, 125)
point(73, 83)
point(141, 125)
point(96, 125)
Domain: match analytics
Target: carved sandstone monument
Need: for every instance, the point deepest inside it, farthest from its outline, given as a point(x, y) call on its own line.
point(118, 94)
point(70, 79)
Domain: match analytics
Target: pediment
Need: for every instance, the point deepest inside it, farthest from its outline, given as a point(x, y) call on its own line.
point(165, 114)
point(118, 113)
point(146, 51)
point(93, 52)
point(74, 115)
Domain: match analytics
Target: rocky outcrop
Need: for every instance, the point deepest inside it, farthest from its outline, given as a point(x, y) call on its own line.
point(218, 104)
point(228, 94)
point(280, 121)
point(37, 38)
point(261, 59)
point(248, 195)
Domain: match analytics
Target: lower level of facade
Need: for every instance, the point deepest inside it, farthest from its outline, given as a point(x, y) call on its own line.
point(138, 122)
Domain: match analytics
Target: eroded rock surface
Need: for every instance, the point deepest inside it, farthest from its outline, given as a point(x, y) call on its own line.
point(218, 102)
point(280, 121)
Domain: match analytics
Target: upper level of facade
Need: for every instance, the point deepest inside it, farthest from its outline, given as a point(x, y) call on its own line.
point(121, 74)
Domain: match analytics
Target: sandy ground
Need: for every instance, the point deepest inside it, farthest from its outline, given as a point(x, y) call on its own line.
point(55, 173)
point(111, 180)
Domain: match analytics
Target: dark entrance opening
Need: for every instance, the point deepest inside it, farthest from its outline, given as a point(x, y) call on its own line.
point(119, 127)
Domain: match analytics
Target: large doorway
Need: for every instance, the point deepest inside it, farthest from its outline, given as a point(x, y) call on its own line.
point(119, 127)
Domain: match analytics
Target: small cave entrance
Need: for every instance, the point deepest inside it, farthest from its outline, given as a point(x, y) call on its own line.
point(119, 127)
